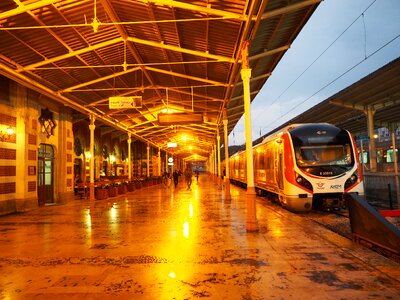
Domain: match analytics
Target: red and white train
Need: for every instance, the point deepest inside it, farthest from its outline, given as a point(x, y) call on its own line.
point(304, 165)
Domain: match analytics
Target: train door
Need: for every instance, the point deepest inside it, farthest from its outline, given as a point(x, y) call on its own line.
point(45, 174)
point(279, 167)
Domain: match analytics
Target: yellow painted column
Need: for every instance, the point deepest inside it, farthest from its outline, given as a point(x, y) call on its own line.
point(246, 74)
point(227, 183)
point(393, 127)
point(372, 146)
point(92, 127)
point(212, 163)
point(148, 161)
point(129, 157)
point(166, 162)
point(215, 164)
point(219, 160)
point(251, 223)
point(159, 162)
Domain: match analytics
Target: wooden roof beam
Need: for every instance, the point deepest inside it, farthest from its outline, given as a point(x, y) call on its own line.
point(201, 9)
point(219, 58)
point(72, 54)
point(24, 8)
point(289, 8)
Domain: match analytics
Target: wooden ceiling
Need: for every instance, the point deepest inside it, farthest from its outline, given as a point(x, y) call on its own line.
point(172, 56)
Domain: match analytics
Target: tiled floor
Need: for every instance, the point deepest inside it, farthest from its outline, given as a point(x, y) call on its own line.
point(160, 243)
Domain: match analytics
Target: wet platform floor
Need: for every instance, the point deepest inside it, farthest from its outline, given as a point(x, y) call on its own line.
point(160, 243)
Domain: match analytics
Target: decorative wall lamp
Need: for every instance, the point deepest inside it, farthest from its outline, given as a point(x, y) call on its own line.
point(6, 133)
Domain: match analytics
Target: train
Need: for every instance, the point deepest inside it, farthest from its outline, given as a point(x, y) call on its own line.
point(303, 167)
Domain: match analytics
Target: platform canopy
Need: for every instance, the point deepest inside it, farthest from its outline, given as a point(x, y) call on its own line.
point(378, 91)
point(162, 70)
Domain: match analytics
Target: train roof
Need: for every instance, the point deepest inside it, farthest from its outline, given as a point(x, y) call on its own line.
point(287, 128)
point(283, 130)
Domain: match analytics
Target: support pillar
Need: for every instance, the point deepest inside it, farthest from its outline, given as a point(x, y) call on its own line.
point(396, 172)
point(251, 224)
point(372, 147)
point(226, 178)
point(212, 163)
point(219, 160)
point(91, 185)
point(159, 162)
point(129, 157)
point(148, 161)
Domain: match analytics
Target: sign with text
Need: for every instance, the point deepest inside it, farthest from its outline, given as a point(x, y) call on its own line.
point(124, 102)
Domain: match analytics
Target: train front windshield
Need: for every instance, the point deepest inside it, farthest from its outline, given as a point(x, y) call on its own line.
point(319, 146)
point(311, 156)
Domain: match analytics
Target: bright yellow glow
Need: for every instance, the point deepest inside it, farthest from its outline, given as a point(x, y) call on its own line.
point(184, 138)
point(168, 111)
point(113, 213)
point(112, 158)
point(277, 233)
point(191, 209)
point(89, 222)
point(181, 240)
point(10, 131)
point(190, 147)
point(186, 229)
point(88, 155)
point(172, 145)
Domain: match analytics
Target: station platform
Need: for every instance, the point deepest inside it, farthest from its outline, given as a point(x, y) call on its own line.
point(167, 243)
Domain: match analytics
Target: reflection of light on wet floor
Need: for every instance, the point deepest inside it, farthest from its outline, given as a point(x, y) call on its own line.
point(277, 232)
point(113, 213)
point(186, 229)
point(191, 209)
point(196, 193)
point(88, 221)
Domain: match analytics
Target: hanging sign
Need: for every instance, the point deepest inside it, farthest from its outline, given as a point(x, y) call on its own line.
point(124, 102)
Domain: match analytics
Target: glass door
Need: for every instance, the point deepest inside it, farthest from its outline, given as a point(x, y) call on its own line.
point(46, 174)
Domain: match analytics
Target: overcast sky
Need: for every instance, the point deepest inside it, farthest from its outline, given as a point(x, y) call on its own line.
point(370, 24)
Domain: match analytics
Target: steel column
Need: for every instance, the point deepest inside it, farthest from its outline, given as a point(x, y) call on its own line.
point(92, 127)
point(372, 147)
point(227, 183)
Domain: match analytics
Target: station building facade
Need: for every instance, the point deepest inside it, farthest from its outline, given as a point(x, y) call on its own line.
point(43, 151)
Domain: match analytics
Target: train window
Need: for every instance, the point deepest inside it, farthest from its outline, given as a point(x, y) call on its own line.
point(339, 155)
point(389, 157)
point(379, 156)
point(261, 160)
point(364, 157)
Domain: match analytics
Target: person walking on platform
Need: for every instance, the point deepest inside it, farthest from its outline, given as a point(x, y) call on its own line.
point(175, 175)
point(188, 177)
point(196, 173)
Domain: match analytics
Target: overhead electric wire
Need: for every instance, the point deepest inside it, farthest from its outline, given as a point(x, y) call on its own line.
point(323, 52)
point(341, 75)
point(344, 73)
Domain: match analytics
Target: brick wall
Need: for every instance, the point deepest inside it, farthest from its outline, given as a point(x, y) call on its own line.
point(8, 153)
point(7, 188)
point(8, 171)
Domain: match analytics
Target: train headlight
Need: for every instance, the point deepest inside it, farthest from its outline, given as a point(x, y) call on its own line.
point(303, 182)
point(351, 180)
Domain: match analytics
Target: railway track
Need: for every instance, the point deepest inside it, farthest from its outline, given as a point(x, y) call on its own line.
point(339, 222)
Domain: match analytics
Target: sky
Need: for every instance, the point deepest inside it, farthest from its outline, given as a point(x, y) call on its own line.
point(343, 41)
